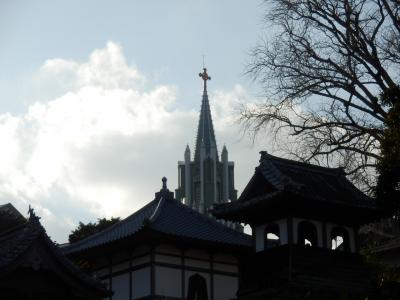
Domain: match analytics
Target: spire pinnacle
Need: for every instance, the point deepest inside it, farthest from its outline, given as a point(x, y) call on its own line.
point(205, 77)
point(205, 133)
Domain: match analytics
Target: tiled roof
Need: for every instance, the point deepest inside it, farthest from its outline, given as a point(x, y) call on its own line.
point(320, 183)
point(16, 241)
point(276, 178)
point(167, 216)
point(10, 216)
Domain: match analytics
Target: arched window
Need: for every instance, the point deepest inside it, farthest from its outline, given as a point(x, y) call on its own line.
point(271, 236)
point(340, 239)
point(197, 289)
point(307, 234)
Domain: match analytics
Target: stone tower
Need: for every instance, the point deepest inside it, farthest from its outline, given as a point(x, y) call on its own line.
point(205, 180)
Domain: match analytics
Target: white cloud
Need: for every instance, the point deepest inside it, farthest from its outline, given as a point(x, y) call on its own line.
point(102, 145)
point(106, 67)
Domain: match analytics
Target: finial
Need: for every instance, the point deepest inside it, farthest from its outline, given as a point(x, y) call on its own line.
point(30, 210)
point(264, 155)
point(32, 215)
point(205, 77)
point(164, 192)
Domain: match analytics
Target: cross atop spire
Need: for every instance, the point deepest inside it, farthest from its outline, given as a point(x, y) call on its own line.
point(205, 77)
point(205, 131)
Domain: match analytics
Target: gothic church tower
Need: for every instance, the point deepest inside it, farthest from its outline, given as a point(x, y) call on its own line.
point(205, 180)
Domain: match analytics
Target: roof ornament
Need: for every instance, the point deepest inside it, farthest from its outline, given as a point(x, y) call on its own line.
point(205, 77)
point(32, 214)
point(164, 183)
point(164, 192)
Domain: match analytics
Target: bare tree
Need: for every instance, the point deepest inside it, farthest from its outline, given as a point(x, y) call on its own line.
point(323, 69)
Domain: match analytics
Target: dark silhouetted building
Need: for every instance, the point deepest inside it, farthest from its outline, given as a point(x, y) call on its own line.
point(32, 267)
point(165, 250)
point(305, 222)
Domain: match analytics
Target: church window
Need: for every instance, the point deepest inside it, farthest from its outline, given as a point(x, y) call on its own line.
point(197, 289)
point(340, 239)
point(271, 236)
point(307, 234)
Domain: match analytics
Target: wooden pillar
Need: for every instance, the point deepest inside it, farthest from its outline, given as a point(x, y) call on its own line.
point(356, 239)
point(289, 224)
point(324, 236)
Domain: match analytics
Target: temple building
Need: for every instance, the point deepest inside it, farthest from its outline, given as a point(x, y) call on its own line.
point(206, 180)
point(305, 222)
point(165, 250)
point(33, 267)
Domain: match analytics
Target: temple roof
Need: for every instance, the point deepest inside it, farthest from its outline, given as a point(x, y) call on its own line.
point(205, 131)
point(281, 185)
point(10, 216)
point(26, 245)
point(169, 217)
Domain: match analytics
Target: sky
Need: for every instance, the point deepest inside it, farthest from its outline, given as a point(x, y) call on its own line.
point(98, 100)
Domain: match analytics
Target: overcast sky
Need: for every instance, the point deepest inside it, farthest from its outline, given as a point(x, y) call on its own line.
point(98, 100)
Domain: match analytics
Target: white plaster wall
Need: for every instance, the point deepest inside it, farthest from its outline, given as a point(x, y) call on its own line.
point(225, 267)
point(195, 253)
point(120, 286)
point(168, 281)
point(225, 287)
point(166, 248)
point(140, 260)
point(197, 263)
point(317, 224)
point(222, 257)
point(141, 283)
point(283, 231)
point(168, 259)
point(259, 238)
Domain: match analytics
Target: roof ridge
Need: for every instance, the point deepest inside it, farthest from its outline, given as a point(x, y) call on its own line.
point(208, 219)
point(123, 221)
point(37, 226)
point(157, 210)
point(300, 164)
point(284, 181)
point(30, 231)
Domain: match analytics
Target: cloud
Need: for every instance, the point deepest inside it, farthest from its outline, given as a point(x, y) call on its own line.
point(106, 67)
point(101, 144)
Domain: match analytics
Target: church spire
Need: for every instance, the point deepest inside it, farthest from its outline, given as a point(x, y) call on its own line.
point(205, 131)
point(205, 180)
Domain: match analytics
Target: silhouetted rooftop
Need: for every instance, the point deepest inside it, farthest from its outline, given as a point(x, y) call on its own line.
point(281, 185)
point(167, 216)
